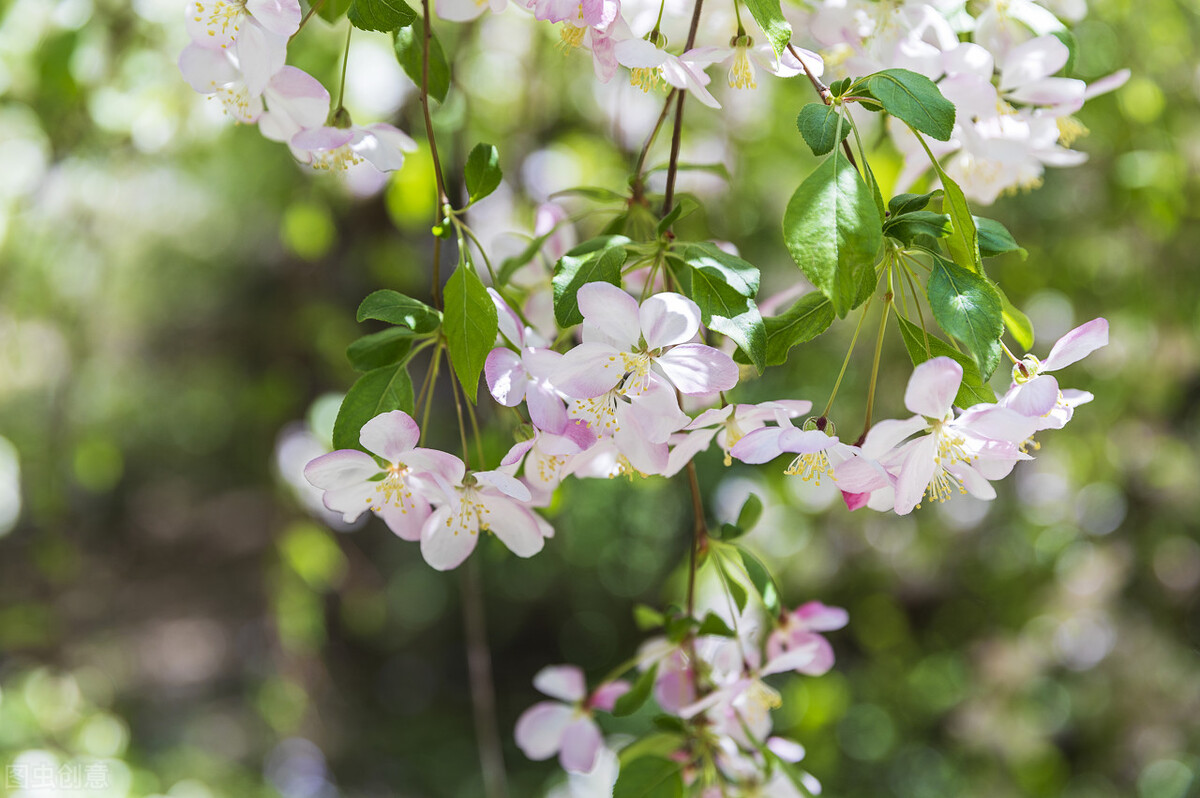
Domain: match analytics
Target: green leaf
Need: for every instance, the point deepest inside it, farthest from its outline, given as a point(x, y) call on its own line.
point(967, 306)
point(572, 272)
point(396, 308)
point(915, 99)
point(482, 172)
point(647, 618)
point(963, 242)
point(381, 349)
point(750, 513)
point(769, 16)
point(908, 226)
point(728, 532)
point(810, 316)
point(632, 701)
point(679, 626)
point(470, 325)
point(736, 591)
point(833, 230)
point(822, 127)
point(659, 744)
point(409, 45)
point(737, 273)
point(973, 389)
point(380, 15)
point(510, 265)
point(378, 391)
point(724, 308)
point(650, 777)
point(762, 580)
point(907, 203)
point(332, 10)
point(714, 625)
point(594, 193)
point(1017, 322)
point(994, 238)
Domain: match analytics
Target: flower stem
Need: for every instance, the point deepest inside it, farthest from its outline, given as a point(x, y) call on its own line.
point(483, 690)
point(699, 534)
point(443, 197)
point(345, 62)
point(638, 182)
point(846, 362)
point(887, 306)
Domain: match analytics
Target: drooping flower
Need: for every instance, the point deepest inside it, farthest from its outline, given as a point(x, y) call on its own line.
point(256, 30)
point(742, 55)
point(215, 72)
point(651, 67)
point(546, 456)
point(729, 425)
point(338, 148)
point(818, 451)
point(566, 726)
point(800, 628)
point(1036, 394)
point(355, 482)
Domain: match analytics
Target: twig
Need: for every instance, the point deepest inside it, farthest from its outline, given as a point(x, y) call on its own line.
point(483, 691)
point(677, 133)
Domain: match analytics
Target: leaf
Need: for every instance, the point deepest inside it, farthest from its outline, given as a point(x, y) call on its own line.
point(725, 309)
point(572, 272)
point(750, 513)
point(908, 226)
point(647, 618)
point(409, 43)
point(769, 16)
point(963, 242)
point(994, 239)
point(510, 265)
point(762, 580)
point(1017, 322)
point(632, 701)
point(470, 325)
point(833, 230)
point(380, 15)
point(378, 391)
point(737, 592)
point(714, 625)
point(907, 203)
point(650, 777)
point(810, 316)
point(973, 389)
point(381, 349)
point(482, 172)
point(396, 308)
point(332, 10)
point(822, 127)
point(728, 532)
point(593, 193)
point(967, 306)
point(915, 99)
point(739, 274)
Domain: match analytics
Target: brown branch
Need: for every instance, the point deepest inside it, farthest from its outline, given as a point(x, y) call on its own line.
point(677, 133)
point(638, 187)
point(483, 691)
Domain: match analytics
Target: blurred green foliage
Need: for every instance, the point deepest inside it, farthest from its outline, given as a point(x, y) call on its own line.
point(174, 292)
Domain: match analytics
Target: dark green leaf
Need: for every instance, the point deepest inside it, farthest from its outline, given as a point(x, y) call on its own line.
point(838, 87)
point(409, 45)
point(396, 308)
point(963, 242)
point(914, 99)
point(680, 626)
point(809, 317)
point(725, 309)
point(572, 272)
point(908, 226)
point(380, 15)
point(750, 513)
point(736, 591)
point(470, 325)
point(762, 580)
point(647, 618)
point(994, 238)
point(973, 389)
point(967, 306)
point(632, 701)
point(822, 127)
point(1017, 322)
point(832, 228)
point(714, 625)
point(482, 173)
point(379, 391)
point(737, 273)
point(769, 16)
point(907, 203)
point(381, 349)
point(728, 531)
point(650, 777)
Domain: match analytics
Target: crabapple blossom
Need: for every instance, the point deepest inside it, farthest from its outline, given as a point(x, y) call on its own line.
point(565, 726)
point(545, 456)
point(1036, 394)
point(215, 72)
point(338, 148)
point(355, 481)
point(651, 67)
point(799, 628)
point(818, 452)
point(729, 425)
point(258, 30)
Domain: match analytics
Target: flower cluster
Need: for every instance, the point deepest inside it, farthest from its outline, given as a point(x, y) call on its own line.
point(238, 55)
point(1014, 110)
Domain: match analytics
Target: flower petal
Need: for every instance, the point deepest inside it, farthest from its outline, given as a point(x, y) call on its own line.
point(1035, 398)
point(1077, 344)
point(540, 728)
point(448, 537)
point(916, 472)
point(505, 375)
point(932, 387)
point(1035, 59)
point(581, 744)
point(514, 525)
point(667, 319)
point(390, 435)
point(821, 617)
point(340, 469)
point(589, 370)
point(564, 682)
point(697, 369)
point(611, 312)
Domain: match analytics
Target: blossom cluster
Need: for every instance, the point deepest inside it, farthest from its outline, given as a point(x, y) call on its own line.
point(238, 54)
point(1001, 69)
point(714, 681)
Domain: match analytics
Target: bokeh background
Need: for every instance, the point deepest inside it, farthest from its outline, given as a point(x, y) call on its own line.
point(176, 296)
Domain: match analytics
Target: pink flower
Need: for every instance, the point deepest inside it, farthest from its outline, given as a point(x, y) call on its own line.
point(817, 452)
point(651, 67)
point(339, 148)
point(258, 30)
point(565, 727)
point(729, 425)
point(1036, 394)
point(798, 630)
point(545, 456)
point(355, 482)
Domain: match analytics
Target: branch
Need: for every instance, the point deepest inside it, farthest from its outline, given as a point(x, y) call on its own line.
point(443, 197)
point(677, 133)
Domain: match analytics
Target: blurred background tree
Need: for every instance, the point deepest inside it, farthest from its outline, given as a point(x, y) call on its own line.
point(176, 296)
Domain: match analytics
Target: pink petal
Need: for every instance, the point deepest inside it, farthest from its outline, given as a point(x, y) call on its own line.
point(821, 617)
point(446, 466)
point(390, 435)
point(517, 453)
point(281, 17)
point(539, 732)
point(505, 375)
point(504, 483)
point(860, 475)
point(383, 145)
point(605, 696)
point(655, 412)
point(697, 369)
point(340, 469)
point(514, 525)
point(1106, 84)
point(890, 433)
point(546, 410)
point(260, 55)
point(916, 472)
point(795, 659)
point(405, 519)
point(805, 441)
point(692, 444)
point(932, 387)
point(855, 501)
point(760, 446)
point(448, 538)
point(589, 370)
point(667, 319)
point(322, 138)
point(581, 744)
point(611, 312)
point(1077, 344)
point(974, 482)
point(205, 69)
point(564, 682)
point(299, 96)
point(1035, 398)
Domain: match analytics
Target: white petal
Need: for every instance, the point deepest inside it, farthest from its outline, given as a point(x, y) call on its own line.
point(698, 369)
point(581, 744)
point(448, 537)
point(1077, 344)
point(564, 682)
point(540, 729)
point(611, 312)
point(512, 523)
point(932, 387)
point(390, 435)
point(667, 319)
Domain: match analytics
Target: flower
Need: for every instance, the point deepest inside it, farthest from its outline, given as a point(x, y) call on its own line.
point(257, 29)
point(798, 630)
point(728, 425)
point(545, 456)
point(818, 452)
point(1036, 394)
point(742, 54)
point(566, 726)
point(215, 72)
point(339, 148)
point(652, 67)
point(355, 482)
